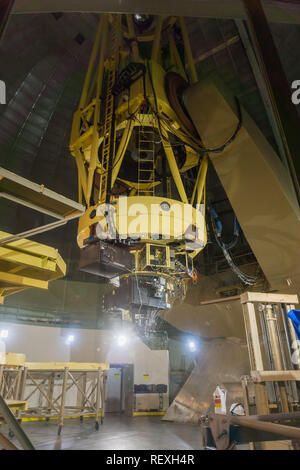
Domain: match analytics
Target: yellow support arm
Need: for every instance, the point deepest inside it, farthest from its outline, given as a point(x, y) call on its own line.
point(188, 50)
point(200, 182)
point(174, 167)
point(25, 263)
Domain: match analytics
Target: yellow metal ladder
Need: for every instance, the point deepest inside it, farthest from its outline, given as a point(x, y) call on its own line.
point(146, 157)
point(108, 133)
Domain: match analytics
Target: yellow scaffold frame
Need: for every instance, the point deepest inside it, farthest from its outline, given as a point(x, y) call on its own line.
point(25, 263)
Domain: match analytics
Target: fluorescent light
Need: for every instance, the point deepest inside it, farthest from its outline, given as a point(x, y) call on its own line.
point(4, 334)
point(192, 346)
point(121, 340)
point(70, 339)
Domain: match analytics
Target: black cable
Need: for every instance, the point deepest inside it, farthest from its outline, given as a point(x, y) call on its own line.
point(245, 278)
point(201, 149)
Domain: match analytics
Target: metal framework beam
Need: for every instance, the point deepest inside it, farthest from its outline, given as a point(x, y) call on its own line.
point(14, 426)
point(259, 376)
point(262, 86)
point(269, 298)
point(25, 263)
point(37, 196)
point(291, 432)
point(276, 11)
point(277, 85)
point(5, 10)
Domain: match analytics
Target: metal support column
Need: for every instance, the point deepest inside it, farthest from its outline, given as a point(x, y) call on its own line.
point(276, 351)
point(268, 346)
point(188, 51)
point(50, 392)
point(63, 400)
point(1, 377)
point(255, 355)
point(98, 398)
point(103, 396)
point(174, 167)
point(156, 43)
point(5, 9)
point(83, 395)
point(13, 424)
point(261, 85)
point(277, 84)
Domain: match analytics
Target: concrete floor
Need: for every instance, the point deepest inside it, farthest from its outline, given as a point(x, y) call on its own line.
point(117, 433)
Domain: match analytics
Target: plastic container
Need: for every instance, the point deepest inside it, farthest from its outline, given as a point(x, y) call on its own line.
point(219, 397)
